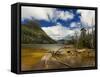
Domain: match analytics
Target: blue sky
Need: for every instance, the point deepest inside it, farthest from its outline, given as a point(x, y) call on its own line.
point(65, 22)
point(59, 23)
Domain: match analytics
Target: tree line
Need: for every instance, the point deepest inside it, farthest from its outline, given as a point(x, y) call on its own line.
point(86, 39)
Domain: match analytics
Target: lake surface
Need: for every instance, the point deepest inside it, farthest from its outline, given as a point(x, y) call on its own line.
point(52, 47)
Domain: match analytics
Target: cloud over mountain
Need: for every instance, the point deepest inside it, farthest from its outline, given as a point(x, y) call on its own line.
point(58, 31)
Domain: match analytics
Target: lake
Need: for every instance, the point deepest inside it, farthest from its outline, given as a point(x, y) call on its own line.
point(51, 47)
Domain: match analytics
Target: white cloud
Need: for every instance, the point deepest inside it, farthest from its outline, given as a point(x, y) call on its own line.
point(58, 31)
point(65, 15)
point(43, 13)
point(87, 17)
point(75, 24)
point(36, 12)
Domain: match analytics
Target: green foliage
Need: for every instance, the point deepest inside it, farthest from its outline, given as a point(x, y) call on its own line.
point(86, 41)
point(31, 33)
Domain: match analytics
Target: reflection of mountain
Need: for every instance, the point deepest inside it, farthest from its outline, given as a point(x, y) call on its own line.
point(32, 33)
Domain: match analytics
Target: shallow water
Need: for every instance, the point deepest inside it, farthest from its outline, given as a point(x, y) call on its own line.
point(51, 47)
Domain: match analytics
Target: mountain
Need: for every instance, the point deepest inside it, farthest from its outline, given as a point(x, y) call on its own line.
point(65, 40)
point(31, 33)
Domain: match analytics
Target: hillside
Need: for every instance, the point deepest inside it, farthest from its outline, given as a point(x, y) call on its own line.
point(31, 33)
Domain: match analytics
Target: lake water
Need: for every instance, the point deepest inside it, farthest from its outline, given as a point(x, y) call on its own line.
point(52, 47)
